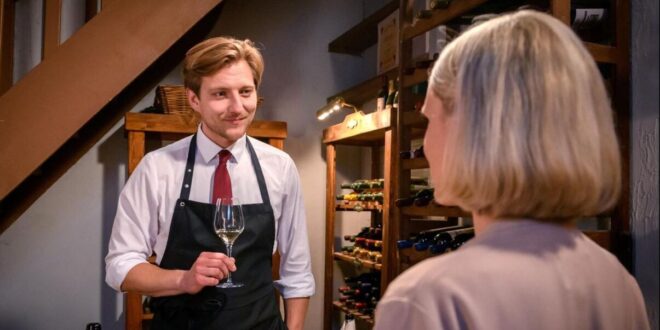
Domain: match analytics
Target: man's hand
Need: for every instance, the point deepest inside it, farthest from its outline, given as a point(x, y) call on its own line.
point(208, 270)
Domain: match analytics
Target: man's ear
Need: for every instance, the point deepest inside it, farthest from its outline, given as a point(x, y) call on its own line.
point(193, 99)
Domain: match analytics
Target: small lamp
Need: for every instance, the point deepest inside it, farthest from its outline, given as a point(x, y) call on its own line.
point(333, 106)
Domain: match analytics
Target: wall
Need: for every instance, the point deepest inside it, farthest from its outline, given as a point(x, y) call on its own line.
point(51, 259)
point(644, 148)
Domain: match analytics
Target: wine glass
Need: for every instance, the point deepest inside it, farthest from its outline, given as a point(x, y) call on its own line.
point(228, 224)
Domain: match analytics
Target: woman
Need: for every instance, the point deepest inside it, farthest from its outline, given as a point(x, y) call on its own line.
point(520, 133)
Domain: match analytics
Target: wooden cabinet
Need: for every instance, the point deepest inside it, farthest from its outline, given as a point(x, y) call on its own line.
point(170, 127)
point(406, 125)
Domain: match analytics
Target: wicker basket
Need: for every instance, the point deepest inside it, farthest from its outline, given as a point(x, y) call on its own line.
point(172, 99)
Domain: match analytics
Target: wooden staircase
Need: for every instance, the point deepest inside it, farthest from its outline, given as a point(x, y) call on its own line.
point(59, 110)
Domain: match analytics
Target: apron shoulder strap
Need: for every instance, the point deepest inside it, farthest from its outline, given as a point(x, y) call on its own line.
point(257, 170)
point(190, 165)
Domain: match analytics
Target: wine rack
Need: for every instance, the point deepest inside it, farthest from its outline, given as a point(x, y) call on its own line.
point(611, 55)
point(373, 131)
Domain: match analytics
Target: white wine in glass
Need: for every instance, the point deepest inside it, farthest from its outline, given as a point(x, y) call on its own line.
point(228, 224)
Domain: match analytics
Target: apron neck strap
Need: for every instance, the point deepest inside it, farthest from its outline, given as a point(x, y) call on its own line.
point(258, 172)
point(190, 165)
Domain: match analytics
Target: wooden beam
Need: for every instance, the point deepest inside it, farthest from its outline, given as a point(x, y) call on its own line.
point(91, 9)
point(7, 13)
point(127, 39)
point(330, 159)
point(52, 26)
point(107, 3)
point(561, 9)
point(187, 124)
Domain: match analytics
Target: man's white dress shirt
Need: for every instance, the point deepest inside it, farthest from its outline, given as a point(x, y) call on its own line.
point(147, 202)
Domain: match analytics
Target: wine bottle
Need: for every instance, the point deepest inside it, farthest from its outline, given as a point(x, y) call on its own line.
point(423, 197)
point(395, 101)
point(390, 95)
point(348, 249)
point(404, 244)
point(451, 240)
point(460, 239)
point(419, 152)
point(382, 95)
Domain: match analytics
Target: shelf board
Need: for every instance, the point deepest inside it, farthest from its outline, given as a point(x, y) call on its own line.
point(359, 129)
point(414, 119)
point(366, 90)
point(366, 208)
point(418, 76)
point(601, 53)
point(357, 261)
point(344, 205)
point(434, 210)
point(339, 306)
point(410, 256)
point(439, 17)
point(364, 34)
point(187, 124)
point(415, 163)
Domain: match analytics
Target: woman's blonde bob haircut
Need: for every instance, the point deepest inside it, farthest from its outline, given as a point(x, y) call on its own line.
point(534, 135)
point(211, 55)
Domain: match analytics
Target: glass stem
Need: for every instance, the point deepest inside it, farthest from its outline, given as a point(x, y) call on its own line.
point(229, 246)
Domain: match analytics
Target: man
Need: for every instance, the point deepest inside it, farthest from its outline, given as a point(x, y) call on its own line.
point(167, 208)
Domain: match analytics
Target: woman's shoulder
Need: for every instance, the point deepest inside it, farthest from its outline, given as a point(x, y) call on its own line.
point(435, 273)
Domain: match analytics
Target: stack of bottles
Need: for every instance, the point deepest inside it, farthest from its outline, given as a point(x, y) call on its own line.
point(422, 197)
point(361, 293)
point(365, 194)
point(367, 244)
point(438, 241)
point(388, 95)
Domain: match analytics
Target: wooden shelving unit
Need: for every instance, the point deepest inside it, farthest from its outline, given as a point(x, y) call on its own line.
point(139, 127)
point(409, 122)
point(371, 131)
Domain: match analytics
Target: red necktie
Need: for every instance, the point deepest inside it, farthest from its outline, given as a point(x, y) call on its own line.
point(221, 181)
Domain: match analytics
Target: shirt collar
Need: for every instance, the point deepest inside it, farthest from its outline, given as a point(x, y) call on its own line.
point(209, 150)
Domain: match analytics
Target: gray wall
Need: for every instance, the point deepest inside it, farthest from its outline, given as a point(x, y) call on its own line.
point(51, 259)
point(644, 148)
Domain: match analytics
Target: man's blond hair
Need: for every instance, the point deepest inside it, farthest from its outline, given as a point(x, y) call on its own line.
point(211, 55)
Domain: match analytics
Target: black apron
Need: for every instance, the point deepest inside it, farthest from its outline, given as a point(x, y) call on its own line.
point(252, 306)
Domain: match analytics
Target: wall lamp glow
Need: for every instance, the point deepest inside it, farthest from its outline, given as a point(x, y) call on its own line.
point(333, 106)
